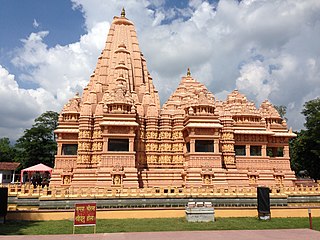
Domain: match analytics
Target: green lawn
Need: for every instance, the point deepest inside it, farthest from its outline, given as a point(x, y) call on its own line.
point(152, 225)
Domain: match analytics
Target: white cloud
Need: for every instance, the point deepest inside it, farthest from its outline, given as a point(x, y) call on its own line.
point(255, 79)
point(60, 70)
point(58, 73)
point(267, 49)
point(18, 106)
point(35, 23)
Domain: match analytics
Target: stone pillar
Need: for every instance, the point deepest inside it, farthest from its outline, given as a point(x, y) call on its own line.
point(216, 146)
point(151, 141)
point(247, 150)
point(165, 137)
point(131, 145)
point(59, 150)
point(264, 150)
point(178, 147)
point(286, 151)
point(105, 144)
point(227, 142)
point(98, 144)
point(192, 146)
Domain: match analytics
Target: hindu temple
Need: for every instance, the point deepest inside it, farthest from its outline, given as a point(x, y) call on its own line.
point(118, 135)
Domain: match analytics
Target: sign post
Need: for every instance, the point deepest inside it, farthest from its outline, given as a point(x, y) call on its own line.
point(85, 215)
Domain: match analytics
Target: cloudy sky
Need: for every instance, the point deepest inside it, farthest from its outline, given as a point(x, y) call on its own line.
point(267, 49)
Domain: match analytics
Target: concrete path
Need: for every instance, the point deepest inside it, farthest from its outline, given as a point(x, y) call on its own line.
point(292, 234)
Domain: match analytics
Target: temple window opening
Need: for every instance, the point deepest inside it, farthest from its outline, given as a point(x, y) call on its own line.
point(69, 149)
point(275, 151)
point(118, 145)
point(255, 151)
point(204, 146)
point(240, 150)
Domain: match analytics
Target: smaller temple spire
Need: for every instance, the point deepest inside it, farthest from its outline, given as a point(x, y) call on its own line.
point(123, 13)
point(188, 72)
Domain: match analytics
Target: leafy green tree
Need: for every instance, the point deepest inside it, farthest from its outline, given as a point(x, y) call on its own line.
point(38, 145)
point(7, 152)
point(305, 149)
point(282, 110)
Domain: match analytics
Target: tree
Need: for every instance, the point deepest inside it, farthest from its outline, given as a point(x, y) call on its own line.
point(282, 110)
point(305, 149)
point(38, 145)
point(7, 152)
point(48, 120)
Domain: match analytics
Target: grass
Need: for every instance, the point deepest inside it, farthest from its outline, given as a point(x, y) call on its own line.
point(152, 225)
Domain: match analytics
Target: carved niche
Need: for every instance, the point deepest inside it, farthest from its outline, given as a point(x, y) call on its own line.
point(117, 179)
point(206, 179)
point(66, 179)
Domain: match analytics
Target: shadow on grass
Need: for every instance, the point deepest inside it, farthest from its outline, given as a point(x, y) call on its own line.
point(35, 227)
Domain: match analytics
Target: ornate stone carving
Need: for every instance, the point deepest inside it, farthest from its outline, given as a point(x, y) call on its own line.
point(84, 146)
point(165, 159)
point(96, 159)
point(73, 105)
point(253, 179)
point(97, 134)
point(177, 135)
point(227, 148)
point(83, 159)
point(70, 117)
point(206, 179)
point(228, 159)
point(177, 147)
point(152, 159)
point(151, 147)
point(177, 159)
point(278, 179)
point(97, 146)
point(84, 134)
point(152, 135)
point(165, 147)
point(227, 136)
point(165, 135)
point(117, 179)
point(142, 134)
point(66, 179)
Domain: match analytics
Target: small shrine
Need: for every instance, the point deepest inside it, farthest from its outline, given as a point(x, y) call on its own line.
point(117, 135)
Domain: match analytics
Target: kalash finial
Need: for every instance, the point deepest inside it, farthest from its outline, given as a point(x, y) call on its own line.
point(123, 13)
point(188, 72)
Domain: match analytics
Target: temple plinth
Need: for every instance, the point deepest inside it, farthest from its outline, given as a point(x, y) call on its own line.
point(117, 135)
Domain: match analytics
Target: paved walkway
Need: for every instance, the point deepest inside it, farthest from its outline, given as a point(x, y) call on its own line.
point(292, 234)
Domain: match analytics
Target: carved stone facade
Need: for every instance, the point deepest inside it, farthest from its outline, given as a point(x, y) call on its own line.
point(116, 134)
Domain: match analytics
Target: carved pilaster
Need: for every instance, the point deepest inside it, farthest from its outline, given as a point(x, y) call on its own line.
point(227, 142)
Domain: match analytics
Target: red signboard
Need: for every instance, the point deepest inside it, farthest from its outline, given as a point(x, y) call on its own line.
point(85, 214)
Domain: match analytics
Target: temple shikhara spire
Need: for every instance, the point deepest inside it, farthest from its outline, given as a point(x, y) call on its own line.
point(117, 134)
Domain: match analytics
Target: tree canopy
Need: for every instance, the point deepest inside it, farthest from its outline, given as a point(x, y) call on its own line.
point(282, 110)
point(38, 145)
point(7, 152)
point(305, 149)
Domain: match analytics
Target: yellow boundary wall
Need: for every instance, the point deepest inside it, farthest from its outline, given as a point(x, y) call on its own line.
point(51, 193)
point(46, 215)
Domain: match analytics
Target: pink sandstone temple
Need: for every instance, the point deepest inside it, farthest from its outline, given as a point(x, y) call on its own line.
point(117, 134)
